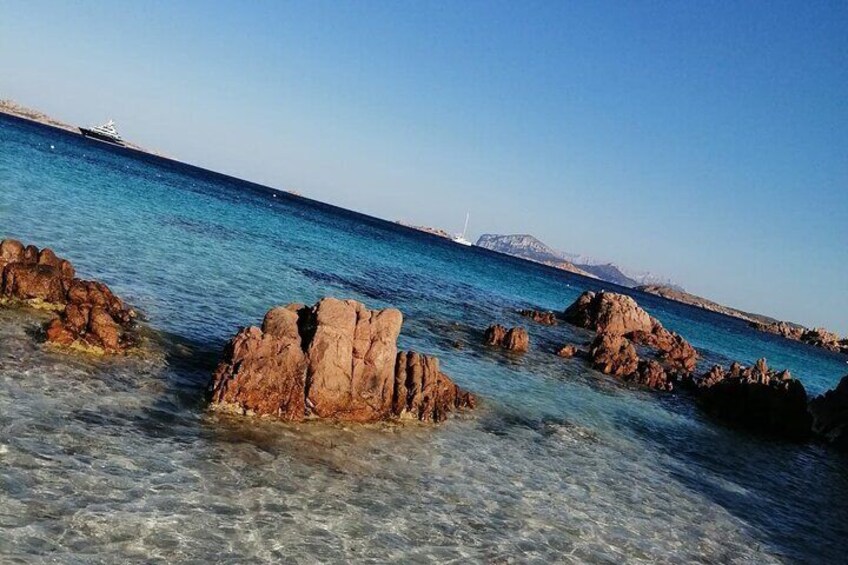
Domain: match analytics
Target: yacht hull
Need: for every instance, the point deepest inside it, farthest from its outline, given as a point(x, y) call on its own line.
point(99, 136)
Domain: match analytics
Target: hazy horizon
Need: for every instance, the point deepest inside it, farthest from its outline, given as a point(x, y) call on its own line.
point(706, 145)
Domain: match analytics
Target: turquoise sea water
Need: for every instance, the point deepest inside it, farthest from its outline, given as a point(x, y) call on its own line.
point(118, 460)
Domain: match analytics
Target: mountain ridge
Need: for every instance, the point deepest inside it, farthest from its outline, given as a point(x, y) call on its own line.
point(527, 246)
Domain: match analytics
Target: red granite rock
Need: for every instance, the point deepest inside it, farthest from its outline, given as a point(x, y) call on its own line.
point(514, 339)
point(546, 318)
point(336, 360)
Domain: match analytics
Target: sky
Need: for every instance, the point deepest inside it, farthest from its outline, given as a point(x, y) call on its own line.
point(704, 141)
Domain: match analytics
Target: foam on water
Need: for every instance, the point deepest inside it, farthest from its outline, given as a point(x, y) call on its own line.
point(119, 460)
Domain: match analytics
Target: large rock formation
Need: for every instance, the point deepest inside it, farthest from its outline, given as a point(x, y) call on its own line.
point(608, 312)
point(514, 339)
point(335, 360)
point(617, 314)
point(758, 399)
point(830, 415)
point(88, 315)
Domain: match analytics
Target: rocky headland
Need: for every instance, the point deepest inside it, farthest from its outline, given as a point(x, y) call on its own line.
point(87, 315)
point(335, 360)
point(817, 337)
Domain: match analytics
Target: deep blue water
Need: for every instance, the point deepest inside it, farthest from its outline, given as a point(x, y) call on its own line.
point(118, 459)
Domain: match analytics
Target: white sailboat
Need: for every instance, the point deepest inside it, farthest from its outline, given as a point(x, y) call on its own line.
point(460, 237)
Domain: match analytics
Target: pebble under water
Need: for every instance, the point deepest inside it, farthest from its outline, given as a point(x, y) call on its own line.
point(118, 459)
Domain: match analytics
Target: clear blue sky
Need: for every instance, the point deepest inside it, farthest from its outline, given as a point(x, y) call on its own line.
point(704, 141)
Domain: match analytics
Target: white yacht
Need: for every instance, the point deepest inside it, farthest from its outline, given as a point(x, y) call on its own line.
point(460, 237)
point(106, 132)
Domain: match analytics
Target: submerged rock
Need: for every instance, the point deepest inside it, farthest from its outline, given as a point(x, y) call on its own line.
point(830, 415)
point(758, 399)
point(568, 351)
point(336, 360)
point(547, 318)
point(89, 316)
point(514, 339)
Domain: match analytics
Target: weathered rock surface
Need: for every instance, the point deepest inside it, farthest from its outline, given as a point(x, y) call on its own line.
point(336, 360)
point(650, 374)
point(608, 312)
point(617, 314)
point(89, 314)
point(830, 415)
point(514, 339)
point(758, 399)
point(613, 354)
point(547, 318)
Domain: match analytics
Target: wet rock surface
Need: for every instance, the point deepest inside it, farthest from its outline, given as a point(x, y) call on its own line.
point(89, 316)
point(513, 339)
point(336, 360)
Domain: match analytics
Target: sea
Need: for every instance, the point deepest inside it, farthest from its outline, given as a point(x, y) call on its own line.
point(119, 460)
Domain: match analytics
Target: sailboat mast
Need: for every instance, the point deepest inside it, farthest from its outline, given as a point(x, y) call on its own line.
point(465, 229)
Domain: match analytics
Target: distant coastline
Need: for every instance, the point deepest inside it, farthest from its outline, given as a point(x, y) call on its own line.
point(12, 108)
point(818, 337)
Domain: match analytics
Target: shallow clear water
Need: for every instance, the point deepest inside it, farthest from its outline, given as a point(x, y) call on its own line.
point(118, 460)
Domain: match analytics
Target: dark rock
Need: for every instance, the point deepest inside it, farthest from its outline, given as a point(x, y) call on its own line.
point(494, 335)
point(336, 360)
point(757, 399)
point(830, 415)
point(650, 374)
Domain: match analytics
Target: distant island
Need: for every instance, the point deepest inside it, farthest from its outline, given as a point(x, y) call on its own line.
point(531, 248)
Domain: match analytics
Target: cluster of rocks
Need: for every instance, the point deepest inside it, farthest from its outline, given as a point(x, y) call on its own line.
point(817, 337)
point(513, 339)
point(620, 323)
point(335, 360)
point(88, 315)
point(546, 318)
point(756, 398)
